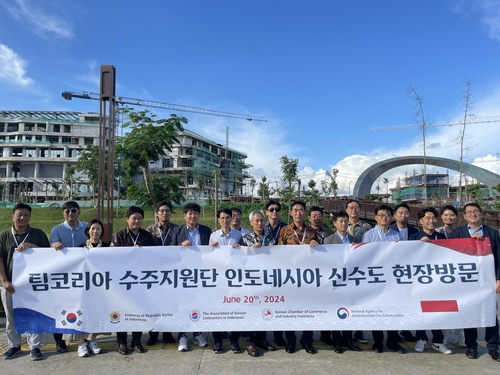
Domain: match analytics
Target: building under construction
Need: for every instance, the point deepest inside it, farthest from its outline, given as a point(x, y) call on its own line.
point(36, 147)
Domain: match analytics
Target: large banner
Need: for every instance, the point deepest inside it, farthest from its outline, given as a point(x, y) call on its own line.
point(404, 285)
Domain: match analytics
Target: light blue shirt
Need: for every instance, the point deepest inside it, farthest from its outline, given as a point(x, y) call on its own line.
point(478, 230)
point(225, 239)
point(68, 236)
point(193, 235)
point(377, 234)
point(344, 239)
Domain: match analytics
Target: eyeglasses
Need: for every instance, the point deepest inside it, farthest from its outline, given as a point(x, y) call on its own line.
point(274, 209)
point(72, 211)
point(383, 215)
point(164, 211)
point(236, 215)
point(475, 212)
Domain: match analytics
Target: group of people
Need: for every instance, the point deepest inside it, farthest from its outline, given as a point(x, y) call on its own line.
point(266, 229)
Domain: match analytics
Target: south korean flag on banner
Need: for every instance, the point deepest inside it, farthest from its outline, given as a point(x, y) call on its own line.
point(71, 318)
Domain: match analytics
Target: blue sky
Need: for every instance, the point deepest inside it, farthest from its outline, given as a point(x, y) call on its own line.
point(322, 72)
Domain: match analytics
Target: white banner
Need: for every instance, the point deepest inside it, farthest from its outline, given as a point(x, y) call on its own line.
point(404, 285)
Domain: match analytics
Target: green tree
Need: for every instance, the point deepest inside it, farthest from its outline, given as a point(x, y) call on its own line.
point(474, 192)
point(312, 195)
point(148, 140)
point(290, 175)
point(333, 183)
point(88, 164)
point(252, 184)
point(263, 191)
point(167, 188)
point(70, 181)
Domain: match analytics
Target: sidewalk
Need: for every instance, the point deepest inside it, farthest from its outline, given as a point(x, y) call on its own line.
point(162, 358)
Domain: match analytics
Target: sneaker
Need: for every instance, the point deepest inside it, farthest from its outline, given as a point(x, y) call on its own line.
point(395, 347)
point(217, 348)
point(94, 348)
point(183, 344)
point(420, 345)
point(35, 354)
point(83, 350)
point(441, 348)
point(199, 340)
point(360, 337)
point(12, 352)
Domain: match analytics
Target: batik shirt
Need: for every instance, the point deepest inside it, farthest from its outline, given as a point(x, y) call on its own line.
point(291, 235)
point(163, 234)
point(251, 238)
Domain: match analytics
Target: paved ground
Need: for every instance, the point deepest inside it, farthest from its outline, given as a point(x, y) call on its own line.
point(165, 358)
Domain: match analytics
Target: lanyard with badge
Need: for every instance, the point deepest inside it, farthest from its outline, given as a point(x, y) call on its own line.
point(15, 239)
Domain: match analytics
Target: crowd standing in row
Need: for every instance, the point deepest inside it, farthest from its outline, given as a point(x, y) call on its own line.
point(348, 229)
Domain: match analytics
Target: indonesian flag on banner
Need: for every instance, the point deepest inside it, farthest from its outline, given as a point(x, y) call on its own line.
point(444, 311)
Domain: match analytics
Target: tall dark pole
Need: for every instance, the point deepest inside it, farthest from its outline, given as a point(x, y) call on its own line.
point(106, 142)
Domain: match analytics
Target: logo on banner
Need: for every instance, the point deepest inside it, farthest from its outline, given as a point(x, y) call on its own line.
point(268, 314)
point(343, 313)
point(114, 317)
point(71, 318)
point(195, 316)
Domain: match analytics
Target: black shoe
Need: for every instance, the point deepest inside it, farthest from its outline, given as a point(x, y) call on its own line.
point(36, 354)
point(151, 341)
point(471, 353)
point(494, 354)
point(61, 346)
point(12, 352)
point(395, 347)
point(280, 342)
point(308, 347)
point(168, 338)
point(353, 345)
point(408, 336)
point(360, 337)
point(327, 340)
point(264, 344)
point(290, 348)
point(235, 348)
point(337, 349)
point(377, 347)
point(217, 348)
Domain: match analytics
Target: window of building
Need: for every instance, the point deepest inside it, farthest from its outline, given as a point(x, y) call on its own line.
point(89, 141)
point(53, 139)
point(38, 138)
point(75, 141)
point(41, 127)
point(12, 127)
point(67, 129)
point(29, 127)
point(56, 128)
point(66, 140)
point(167, 163)
point(2, 127)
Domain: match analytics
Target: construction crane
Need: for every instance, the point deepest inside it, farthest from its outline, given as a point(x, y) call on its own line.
point(476, 120)
point(149, 103)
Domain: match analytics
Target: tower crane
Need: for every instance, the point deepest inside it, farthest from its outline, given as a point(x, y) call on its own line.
point(476, 120)
point(149, 103)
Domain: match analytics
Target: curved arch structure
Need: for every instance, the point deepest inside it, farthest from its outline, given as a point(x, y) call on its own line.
point(367, 178)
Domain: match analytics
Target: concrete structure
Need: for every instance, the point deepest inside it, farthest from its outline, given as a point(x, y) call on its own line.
point(36, 147)
point(370, 175)
point(196, 157)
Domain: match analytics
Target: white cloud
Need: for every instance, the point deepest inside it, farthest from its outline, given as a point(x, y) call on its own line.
point(91, 75)
point(12, 67)
point(489, 13)
point(45, 24)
